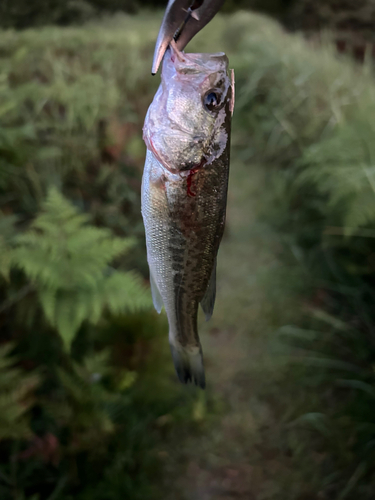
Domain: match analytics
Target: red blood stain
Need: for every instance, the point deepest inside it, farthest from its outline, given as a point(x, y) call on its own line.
point(189, 182)
point(189, 179)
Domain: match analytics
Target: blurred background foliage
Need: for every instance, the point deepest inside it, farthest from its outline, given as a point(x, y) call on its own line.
point(86, 385)
point(23, 14)
point(355, 17)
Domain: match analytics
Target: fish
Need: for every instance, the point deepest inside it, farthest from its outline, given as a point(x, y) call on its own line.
point(184, 194)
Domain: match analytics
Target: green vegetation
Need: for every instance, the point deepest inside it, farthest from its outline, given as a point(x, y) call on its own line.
point(78, 334)
point(309, 119)
point(87, 390)
point(22, 14)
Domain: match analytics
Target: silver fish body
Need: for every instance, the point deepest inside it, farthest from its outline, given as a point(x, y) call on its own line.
point(184, 193)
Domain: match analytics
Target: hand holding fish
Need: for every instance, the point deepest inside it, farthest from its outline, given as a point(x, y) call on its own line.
point(184, 192)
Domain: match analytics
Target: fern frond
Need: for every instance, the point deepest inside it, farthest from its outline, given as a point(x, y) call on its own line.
point(68, 261)
point(82, 402)
point(7, 235)
point(16, 396)
point(124, 292)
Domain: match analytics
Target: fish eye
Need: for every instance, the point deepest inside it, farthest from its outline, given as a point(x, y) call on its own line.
point(211, 100)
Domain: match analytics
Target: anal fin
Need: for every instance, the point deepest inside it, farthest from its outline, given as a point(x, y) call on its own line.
point(208, 301)
point(156, 297)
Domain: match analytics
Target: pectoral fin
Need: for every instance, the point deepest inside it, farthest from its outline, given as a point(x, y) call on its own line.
point(156, 297)
point(208, 300)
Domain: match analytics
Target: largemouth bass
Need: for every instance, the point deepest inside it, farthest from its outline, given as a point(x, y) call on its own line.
point(184, 195)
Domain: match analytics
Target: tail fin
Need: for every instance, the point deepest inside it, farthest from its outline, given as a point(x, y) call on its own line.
point(189, 365)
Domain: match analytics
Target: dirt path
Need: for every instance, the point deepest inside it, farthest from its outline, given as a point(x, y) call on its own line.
point(235, 455)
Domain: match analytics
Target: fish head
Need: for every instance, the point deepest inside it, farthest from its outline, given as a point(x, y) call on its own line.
point(188, 123)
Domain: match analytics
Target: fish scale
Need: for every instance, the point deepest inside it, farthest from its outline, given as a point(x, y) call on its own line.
point(184, 192)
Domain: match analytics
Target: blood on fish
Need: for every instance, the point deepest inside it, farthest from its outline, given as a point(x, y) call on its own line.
point(189, 179)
